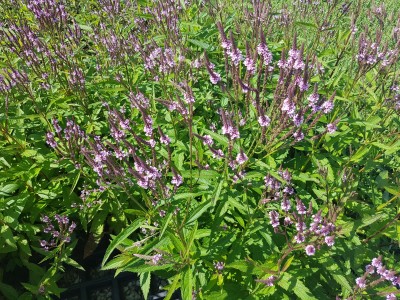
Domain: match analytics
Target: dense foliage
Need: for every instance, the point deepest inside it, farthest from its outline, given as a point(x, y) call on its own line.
point(239, 149)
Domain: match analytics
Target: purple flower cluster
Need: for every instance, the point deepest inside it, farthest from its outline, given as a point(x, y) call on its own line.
point(50, 14)
point(319, 230)
point(376, 272)
point(219, 266)
point(228, 128)
point(60, 233)
point(214, 76)
point(270, 281)
point(371, 53)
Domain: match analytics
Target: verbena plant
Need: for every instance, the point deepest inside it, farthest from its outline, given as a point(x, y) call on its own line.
point(239, 149)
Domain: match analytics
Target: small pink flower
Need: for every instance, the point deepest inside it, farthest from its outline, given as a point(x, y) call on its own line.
point(310, 250)
point(361, 282)
point(264, 120)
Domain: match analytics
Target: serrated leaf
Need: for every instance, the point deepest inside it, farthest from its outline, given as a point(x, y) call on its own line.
point(200, 44)
point(186, 285)
point(198, 211)
point(8, 189)
point(359, 154)
point(117, 262)
point(287, 264)
point(172, 288)
point(289, 283)
point(120, 237)
point(148, 268)
point(73, 263)
point(145, 279)
point(8, 291)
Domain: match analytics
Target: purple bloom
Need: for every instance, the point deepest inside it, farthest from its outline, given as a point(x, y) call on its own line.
point(298, 119)
point(72, 227)
point(376, 262)
point(327, 106)
point(250, 65)
point(241, 158)
point(285, 205)
point(188, 98)
point(274, 216)
point(298, 135)
point(264, 120)
point(331, 128)
point(299, 238)
point(330, 240)
point(50, 140)
point(301, 226)
point(310, 250)
point(231, 131)
point(313, 99)
point(217, 153)
point(370, 269)
point(263, 51)
point(164, 139)
point(301, 208)
point(391, 297)
point(177, 180)
point(269, 281)
point(207, 140)
point(288, 106)
point(156, 258)
point(287, 221)
point(219, 266)
point(236, 56)
point(361, 282)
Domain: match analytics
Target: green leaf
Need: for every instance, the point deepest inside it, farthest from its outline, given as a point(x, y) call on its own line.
point(287, 264)
point(8, 189)
point(166, 222)
point(147, 268)
point(200, 44)
point(73, 263)
point(173, 287)
point(145, 279)
point(118, 262)
point(186, 285)
point(120, 237)
point(75, 182)
point(289, 283)
point(332, 266)
point(361, 152)
point(8, 291)
point(198, 211)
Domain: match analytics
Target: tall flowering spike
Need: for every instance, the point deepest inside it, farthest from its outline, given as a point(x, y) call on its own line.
point(164, 139)
point(241, 157)
point(274, 218)
point(263, 51)
point(249, 61)
point(228, 128)
point(50, 140)
point(361, 282)
point(225, 43)
point(234, 53)
point(177, 179)
point(264, 120)
point(214, 76)
point(301, 208)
